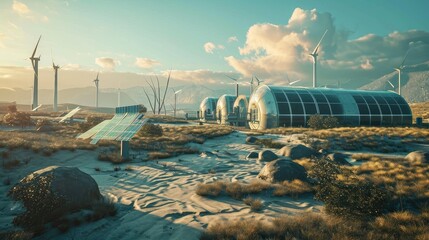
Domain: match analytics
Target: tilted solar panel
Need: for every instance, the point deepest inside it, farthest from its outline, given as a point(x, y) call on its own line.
point(91, 132)
point(131, 130)
point(122, 127)
point(70, 114)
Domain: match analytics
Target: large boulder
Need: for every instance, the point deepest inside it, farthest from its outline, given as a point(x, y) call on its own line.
point(297, 151)
point(54, 191)
point(418, 157)
point(252, 155)
point(338, 158)
point(267, 155)
point(283, 169)
point(251, 139)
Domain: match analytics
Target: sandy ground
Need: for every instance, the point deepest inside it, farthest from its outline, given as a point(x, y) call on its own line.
point(157, 200)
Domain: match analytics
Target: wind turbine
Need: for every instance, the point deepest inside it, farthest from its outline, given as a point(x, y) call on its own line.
point(259, 81)
point(35, 63)
point(175, 100)
point(55, 67)
point(96, 81)
point(314, 54)
point(236, 84)
point(289, 82)
point(399, 70)
point(251, 85)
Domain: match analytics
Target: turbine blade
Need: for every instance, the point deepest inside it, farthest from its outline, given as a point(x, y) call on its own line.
point(318, 45)
point(391, 84)
point(97, 75)
point(402, 64)
point(234, 79)
point(34, 52)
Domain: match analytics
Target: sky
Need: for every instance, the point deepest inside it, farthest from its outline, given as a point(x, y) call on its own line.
point(202, 41)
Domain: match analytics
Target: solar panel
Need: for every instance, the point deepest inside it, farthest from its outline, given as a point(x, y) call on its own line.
point(122, 127)
point(70, 114)
point(91, 132)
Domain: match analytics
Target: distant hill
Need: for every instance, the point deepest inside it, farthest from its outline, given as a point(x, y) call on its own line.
point(414, 82)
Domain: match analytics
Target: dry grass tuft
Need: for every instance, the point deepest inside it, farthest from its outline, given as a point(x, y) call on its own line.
point(401, 225)
point(255, 204)
point(293, 188)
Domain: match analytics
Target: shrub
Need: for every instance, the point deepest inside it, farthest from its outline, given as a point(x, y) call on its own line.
point(322, 122)
point(150, 130)
point(110, 157)
point(17, 119)
point(255, 204)
point(12, 108)
point(351, 198)
point(43, 123)
point(210, 189)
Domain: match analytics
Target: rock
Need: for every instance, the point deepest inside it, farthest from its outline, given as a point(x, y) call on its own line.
point(283, 169)
point(251, 139)
point(418, 157)
point(252, 155)
point(338, 158)
point(267, 155)
point(55, 190)
point(297, 151)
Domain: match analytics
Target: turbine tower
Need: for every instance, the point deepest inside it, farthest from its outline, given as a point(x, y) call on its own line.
point(55, 67)
point(236, 84)
point(314, 54)
point(399, 70)
point(175, 100)
point(96, 81)
point(35, 63)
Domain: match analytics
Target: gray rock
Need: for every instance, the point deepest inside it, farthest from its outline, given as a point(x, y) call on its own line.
point(297, 151)
point(418, 157)
point(338, 158)
point(72, 187)
point(251, 139)
point(252, 155)
point(283, 169)
point(267, 155)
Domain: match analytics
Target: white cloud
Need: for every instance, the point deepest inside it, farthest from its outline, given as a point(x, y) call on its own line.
point(106, 63)
point(209, 47)
point(367, 65)
point(271, 51)
point(20, 8)
point(233, 39)
point(146, 63)
point(2, 37)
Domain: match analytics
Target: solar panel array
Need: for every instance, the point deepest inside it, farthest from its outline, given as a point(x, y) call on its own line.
point(122, 127)
point(70, 114)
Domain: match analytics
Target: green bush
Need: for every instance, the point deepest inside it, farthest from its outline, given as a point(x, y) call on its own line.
point(150, 130)
point(322, 122)
point(348, 198)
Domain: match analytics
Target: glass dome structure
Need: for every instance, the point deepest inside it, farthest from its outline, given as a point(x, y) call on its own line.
point(241, 106)
point(208, 109)
point(225, 106)
point(279, 106)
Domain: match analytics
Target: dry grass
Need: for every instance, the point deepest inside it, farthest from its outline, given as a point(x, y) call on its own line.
point(408, 182)
point(239, 190)
point(401, 225)
point(420, 110)
point(255, 204)
point(42, 142)
point(293, 188)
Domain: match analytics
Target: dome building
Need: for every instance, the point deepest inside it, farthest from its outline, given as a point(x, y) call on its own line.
point(279, 106)
point(208, 109)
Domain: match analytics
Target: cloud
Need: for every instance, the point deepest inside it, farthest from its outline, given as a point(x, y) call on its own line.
point(20, 8)
point(199, 76)
point(24, 11)
point(233, 39)
point(209, 47)
point(271, 51)
point(106, 63)
point(2, 37)
point(146, 63)
point(367, 65)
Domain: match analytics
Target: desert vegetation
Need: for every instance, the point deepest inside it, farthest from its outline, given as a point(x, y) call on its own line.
point(322, 122)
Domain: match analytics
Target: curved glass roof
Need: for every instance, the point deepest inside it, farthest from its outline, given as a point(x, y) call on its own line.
point(295, 106)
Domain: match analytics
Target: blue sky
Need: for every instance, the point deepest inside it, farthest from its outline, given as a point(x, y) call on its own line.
point(172, 35)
